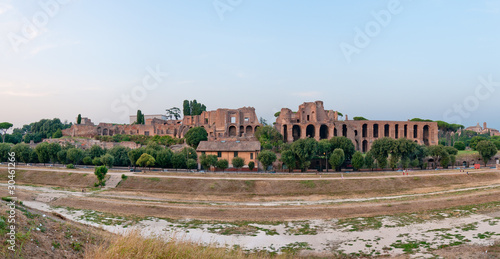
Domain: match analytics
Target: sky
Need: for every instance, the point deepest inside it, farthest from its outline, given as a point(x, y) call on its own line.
point(383, 60)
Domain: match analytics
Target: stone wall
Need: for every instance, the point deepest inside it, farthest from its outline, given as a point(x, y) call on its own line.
point(312, 120)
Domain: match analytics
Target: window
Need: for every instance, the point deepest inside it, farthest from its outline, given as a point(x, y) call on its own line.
point(219, 154)
point(233, 119)
point(146, 133)
point(251, 155)
point(235, 153)
point(247, 119)
point(202, 152)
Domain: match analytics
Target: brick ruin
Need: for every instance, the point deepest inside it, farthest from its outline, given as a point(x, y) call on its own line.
point(312, 120)
point(226, 124)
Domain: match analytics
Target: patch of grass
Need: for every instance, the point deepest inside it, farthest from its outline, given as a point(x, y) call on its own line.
point(7, 199)
point(294, 248)
point(301, 228)
point(124, 177)
point(77, 246)
point(308, 184)
point(410, 247)
point(56, 244)
point(154, 179)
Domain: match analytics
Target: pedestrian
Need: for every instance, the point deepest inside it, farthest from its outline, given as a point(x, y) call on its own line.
point(467, 172)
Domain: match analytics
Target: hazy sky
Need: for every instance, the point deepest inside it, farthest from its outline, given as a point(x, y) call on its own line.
point(384, 60)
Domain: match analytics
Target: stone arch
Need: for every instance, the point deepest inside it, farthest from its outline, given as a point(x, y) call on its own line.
point(335, 132)
point(365, 146)
point(396, 131)
point(242, 130)
point(256, 128)
point(415, 131)
point(386, 130)
point(375, 130)
point(296, 132)
point(426, 135)
point(355, 133)
point(310, 131)
point(406, 131)
point(323, 132)
point(344, 130)
point(249, 130)
point(105, 132)
point(364, 133)
point(357, 145)
point(285, 133)
point(232, 131)
point(99, 131)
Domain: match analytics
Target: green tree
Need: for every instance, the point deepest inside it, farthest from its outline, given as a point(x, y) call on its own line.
point(459, 145)
point(191, 164)
point(96, 151)
point(179, 160)
point(120, 153)
point(345, 144)
point(475, 140)
point(43, 152)
point(146, 160)
point(337, 159)
point(486, 150)
point(4, 152)
point(87, 160)
point(62, 156)
point(222, 164)
point(4, 126)
point(207, 161)
point(451, 150)
point(57, 134)
point(251, 165)
point(79, 119)
point(381, 148)
point(108, 160)
point(359, 118)
point(140, 117)
point(195, 135)
point(268, 135)
point(174, 112)
point(164, 158)
point(75, 156)
point(134, 154)
point(238, 162)
point(100, 172)
point(438, 153)
point(96, 161)
point(267, 158)
point(186, 108)
point(54, 148)
point(288, 158)
point(305, 150)
point(369, 160)
point(393, 162)
point(358, 160)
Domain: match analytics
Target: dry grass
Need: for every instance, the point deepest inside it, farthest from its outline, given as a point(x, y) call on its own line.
point(62, 179)
point(133, 245)
point(335, 188)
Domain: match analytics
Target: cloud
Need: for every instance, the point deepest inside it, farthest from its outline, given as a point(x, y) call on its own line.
point(306, 94)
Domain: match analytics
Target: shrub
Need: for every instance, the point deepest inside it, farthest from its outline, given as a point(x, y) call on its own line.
point(251, 165)
point(70, 166)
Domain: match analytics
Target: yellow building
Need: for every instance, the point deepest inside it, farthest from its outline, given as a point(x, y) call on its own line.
point(248, 150)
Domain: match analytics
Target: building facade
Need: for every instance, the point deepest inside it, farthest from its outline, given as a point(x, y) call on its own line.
point(312, 120)
point(248, 150)
point(228, 124)
point(484, 130)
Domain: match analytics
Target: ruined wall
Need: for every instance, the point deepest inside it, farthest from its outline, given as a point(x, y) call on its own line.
point(234, 124)
point(311, 120)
